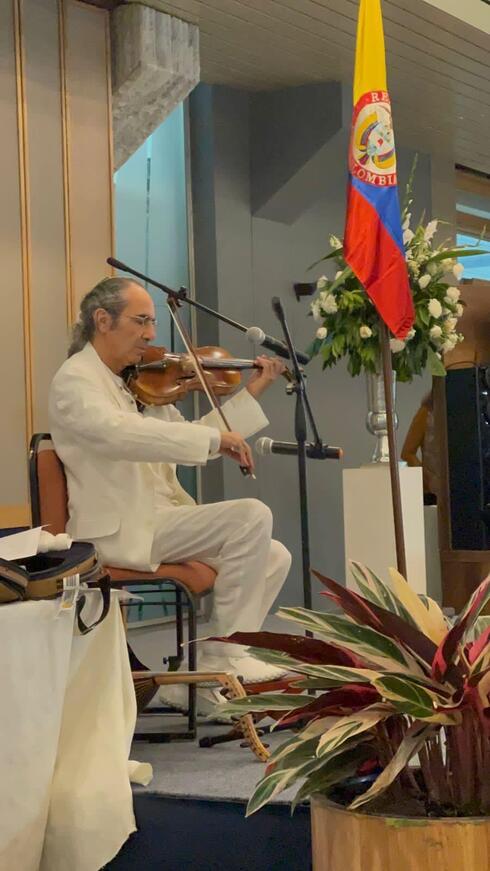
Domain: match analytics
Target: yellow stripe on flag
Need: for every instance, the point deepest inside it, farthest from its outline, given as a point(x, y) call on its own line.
point(370, 68)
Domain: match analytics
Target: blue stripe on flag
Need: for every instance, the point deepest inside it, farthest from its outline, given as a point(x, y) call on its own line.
point(385, 201)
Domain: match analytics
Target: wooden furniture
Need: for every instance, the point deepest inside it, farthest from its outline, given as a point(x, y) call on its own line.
point(344, 839)
point(146, 683)
point(461, 570)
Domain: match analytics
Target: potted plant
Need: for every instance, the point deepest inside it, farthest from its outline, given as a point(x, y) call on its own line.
point(390, 681)
point(347, 324)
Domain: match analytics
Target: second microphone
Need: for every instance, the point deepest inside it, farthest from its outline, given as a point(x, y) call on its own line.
point(265, 446)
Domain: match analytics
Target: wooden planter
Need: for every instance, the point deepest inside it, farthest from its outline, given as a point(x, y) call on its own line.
point(345, 840)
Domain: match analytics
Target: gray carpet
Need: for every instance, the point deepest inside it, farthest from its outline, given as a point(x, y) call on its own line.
point(182, 768)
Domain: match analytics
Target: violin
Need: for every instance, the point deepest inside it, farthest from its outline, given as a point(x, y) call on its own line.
point(164, 377)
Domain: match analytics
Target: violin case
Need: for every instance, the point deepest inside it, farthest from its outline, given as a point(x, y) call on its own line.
point(43, 577)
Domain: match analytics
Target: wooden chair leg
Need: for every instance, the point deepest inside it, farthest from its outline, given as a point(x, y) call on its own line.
point(193, 679)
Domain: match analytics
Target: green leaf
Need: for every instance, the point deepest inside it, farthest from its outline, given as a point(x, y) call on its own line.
point(270, 786)
point(346, 273)
point(278, 780)
point(309, 733)
point(294, 753)
point(379, 592)
point(334, 770)
point(316, 683)
point(414, 739)
point(329, 675)
point(408, 697)
point(337, 252)
point(313, 349)
point(454, 253)
point(338, 345)
point(372, 645)
point(436, 365)
point(263, 702)
point(347, 727)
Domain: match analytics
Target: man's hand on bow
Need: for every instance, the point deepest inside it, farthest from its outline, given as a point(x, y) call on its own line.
point(233, 445)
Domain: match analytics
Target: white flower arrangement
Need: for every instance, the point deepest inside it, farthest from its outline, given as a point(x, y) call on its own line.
point(352, 324)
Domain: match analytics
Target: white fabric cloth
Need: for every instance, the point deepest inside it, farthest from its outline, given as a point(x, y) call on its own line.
point(68, 715)
point(107, 447)
point(234, 537)
point(48, 541)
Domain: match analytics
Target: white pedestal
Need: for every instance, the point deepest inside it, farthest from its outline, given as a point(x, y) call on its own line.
point(369, 529)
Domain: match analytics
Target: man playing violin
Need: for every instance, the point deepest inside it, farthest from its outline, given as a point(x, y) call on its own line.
point(123, 492)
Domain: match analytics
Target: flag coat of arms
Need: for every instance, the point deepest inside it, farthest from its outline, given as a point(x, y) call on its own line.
point(373, 239)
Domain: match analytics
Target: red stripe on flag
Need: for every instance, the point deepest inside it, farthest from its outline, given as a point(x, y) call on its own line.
point(375, 258)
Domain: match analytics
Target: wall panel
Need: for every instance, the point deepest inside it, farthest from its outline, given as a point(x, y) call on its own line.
point(48, 303)
point(56, 229)
point(13, 481)
point(89, 152)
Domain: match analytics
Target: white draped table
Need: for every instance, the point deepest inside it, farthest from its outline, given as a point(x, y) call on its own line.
point(67, 717)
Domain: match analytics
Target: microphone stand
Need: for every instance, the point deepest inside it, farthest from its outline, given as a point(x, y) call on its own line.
point(301, 414)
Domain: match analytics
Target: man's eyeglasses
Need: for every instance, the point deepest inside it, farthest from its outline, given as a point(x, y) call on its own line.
point(143, 320)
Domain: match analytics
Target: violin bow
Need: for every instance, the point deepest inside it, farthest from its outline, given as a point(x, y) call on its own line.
point(207, 387)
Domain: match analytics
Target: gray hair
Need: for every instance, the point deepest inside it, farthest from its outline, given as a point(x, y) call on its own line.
point(107, 294)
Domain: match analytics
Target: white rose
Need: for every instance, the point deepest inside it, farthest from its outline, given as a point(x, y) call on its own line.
point(322, 282)
point(450, 324)
point(316, 310)
point(448, 263)
point(458, 270)
point(449, 344)
point(435, 332)
point(410, 335)
point(338, 274)
point(321, 333)
point(329, 305)
point(434, 268)
point(424, 281)
point(396, 345)
point(435, 308)
point(408, 236)
point(430, 230)
point(335, 242)
point(460, 337)
point(365, 332)
point(452, 294)
point(459, 310)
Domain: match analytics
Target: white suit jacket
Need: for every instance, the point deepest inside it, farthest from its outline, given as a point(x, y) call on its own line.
point(113, 455)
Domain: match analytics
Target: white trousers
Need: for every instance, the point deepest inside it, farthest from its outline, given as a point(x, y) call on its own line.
point(234, 538)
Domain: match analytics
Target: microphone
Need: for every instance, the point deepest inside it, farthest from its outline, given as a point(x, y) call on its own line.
point(117, 264)
point(265, 446)
point(255, 334)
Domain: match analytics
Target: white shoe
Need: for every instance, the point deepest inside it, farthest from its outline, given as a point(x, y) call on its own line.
point(176, 697)
point(252, 670)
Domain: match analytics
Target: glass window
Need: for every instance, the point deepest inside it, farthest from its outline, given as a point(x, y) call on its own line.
point(478, 266)
point(152, 237)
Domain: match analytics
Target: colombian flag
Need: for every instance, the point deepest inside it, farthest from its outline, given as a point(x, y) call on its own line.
point(373, 239)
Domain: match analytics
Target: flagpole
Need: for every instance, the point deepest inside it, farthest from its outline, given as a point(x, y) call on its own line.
point(394, 465)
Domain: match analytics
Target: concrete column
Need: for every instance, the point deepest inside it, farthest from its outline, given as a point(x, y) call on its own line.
point(155, 65)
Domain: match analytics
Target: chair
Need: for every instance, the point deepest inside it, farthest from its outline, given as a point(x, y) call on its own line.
point(191, 580)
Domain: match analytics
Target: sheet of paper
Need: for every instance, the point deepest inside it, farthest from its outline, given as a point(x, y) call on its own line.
point(20, 544)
